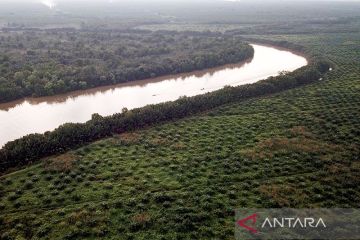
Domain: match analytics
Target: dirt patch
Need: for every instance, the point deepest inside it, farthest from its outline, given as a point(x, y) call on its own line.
point(280, 194)
point(141, 218)
point(61, 163)
point(178, 146)
point(300, 141)
point(129, 138)
point(338, 168)
point(301, 131)
point(159, 141)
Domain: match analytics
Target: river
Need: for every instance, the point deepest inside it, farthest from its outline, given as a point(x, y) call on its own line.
point(37, 115)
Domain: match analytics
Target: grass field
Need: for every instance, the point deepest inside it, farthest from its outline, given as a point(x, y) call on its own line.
point(183, 180)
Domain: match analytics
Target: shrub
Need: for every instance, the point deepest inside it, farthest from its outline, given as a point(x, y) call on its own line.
point(6, 236)
point(7, 182)
point(162, 197)
point(105, 205)
point(60, 199)
point(40, 195)
point(106, 195)
point(108, 186)
point(55, 193)
point(28, 185)
point(76, 197)
point(61, 212)
point(35, 178)
point(47, 200)
point(13, 196)
point(79, 179)
point(67, 179)
point(19, 192)
point(118, 204)
point(69, 190)
point(17, 204)
point(43, 231)
point(48, 177)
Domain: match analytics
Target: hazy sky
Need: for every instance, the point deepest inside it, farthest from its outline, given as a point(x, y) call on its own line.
point(55, 4)
point(178, 10)
point(109, 1)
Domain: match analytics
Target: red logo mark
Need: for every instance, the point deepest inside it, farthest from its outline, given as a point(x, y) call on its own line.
point(242, 222)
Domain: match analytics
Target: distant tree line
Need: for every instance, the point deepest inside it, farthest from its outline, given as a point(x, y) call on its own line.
point(281, 43)
point(43, 63)
point(68, 136)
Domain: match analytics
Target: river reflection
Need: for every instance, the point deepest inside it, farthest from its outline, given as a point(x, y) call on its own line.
point(37, 115)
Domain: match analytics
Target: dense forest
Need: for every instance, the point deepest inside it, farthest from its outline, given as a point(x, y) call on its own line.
point(42, 63)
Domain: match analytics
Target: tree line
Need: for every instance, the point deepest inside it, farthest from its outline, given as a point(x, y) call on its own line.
point(43, 63)
point(71, 135)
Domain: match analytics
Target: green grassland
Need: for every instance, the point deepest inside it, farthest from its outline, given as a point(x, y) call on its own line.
point(184, 179)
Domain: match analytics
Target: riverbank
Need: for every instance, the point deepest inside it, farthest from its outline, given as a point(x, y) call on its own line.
point(33, 147)
point(118, 58)
point(22, 118)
